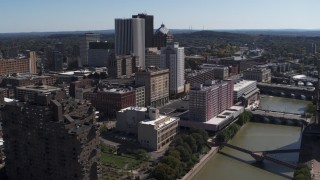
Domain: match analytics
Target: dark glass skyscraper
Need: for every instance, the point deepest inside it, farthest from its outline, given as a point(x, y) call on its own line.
point(148, 28)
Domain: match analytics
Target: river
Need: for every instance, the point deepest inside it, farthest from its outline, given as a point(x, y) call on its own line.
point(230, 164)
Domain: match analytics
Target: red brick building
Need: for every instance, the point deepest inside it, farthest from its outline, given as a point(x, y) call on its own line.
point(109, 101)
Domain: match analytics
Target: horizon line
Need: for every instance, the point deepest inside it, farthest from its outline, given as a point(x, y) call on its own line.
point(238, 29)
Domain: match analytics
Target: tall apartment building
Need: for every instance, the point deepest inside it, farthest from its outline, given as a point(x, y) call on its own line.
point(156, 82)
point(84, 47)
point(109, 101)
point(98, 54)
point(148, 19)
point(152, 57)
point(257, 74)
point(10, 66)
point(33, 62)
point(172, 57)
point(122, 65)
point(209, 99)
point(130, 38)
point(162, 37)
point(51, 138)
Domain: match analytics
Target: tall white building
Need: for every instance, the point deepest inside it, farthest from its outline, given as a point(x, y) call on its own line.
point(130, 38)
point(172, 57)
point(84, 47)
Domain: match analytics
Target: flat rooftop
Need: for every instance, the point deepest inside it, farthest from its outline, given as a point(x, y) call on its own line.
point(40, 88)
point(161, 124)
point(134, 108)
point(226, 114)
point(240, 85)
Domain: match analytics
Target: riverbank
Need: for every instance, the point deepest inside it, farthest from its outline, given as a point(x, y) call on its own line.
point(196, 168)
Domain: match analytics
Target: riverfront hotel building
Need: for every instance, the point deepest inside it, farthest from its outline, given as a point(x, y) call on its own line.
point(209, 99)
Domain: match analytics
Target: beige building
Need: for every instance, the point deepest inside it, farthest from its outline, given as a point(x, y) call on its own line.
point(156, 82)
point(158, 131)
point(120, 66)
point(257, 74)
point(154, 131)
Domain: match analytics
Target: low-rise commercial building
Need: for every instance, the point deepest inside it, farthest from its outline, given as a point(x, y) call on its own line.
point(154, 131)
point(257, 74)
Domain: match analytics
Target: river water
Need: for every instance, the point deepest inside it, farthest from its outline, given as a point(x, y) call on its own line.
point(231, 164)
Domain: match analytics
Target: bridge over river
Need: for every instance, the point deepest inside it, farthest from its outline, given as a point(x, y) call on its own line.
point(263, 155)
point(287, 90)
point(280, 117)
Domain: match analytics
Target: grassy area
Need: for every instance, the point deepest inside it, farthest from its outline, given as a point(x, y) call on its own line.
point(119, 161)
point(116, 166)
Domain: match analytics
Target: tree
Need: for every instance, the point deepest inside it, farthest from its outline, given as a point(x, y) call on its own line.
point(141, 154)
point(173, 163)
point(163, 172)
point(311, 109)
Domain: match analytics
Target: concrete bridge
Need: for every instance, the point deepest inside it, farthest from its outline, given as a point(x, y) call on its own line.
point(287, 90)
point(263, 155)
point(275, 117)
point(285, 80)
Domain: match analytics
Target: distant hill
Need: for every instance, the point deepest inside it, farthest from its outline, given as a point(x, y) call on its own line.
point(280, 32)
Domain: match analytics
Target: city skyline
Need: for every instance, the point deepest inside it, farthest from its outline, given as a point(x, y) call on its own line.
point(44, 16)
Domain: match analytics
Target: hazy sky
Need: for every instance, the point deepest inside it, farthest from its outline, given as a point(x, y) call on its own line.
point(70, 15)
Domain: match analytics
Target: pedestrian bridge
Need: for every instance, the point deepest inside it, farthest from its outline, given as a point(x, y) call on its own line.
point(263, 155)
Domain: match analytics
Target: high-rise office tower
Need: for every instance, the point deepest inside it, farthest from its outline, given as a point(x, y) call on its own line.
point(162, 37)
point(99, 53)
point(172, 57)
point(57, 57)
point(52, 137)
point(130, 38)
point(84, 47)
point(148, 19)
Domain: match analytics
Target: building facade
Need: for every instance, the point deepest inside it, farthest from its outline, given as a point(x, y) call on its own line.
point(109, 101)
point(10, 66)
point(209, 99)
point(148, 19)
point(156, 82)
point(51, 138)
point(130, 38)
point(243, 87)
point(162, 37)
point(258, 74)
point(172, 57)
point(152, 57)
point(98, 54)
point(84, 47)
point(120, 66)
point(157, 131)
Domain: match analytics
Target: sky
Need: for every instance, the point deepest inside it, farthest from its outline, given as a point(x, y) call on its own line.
point(75, 15)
